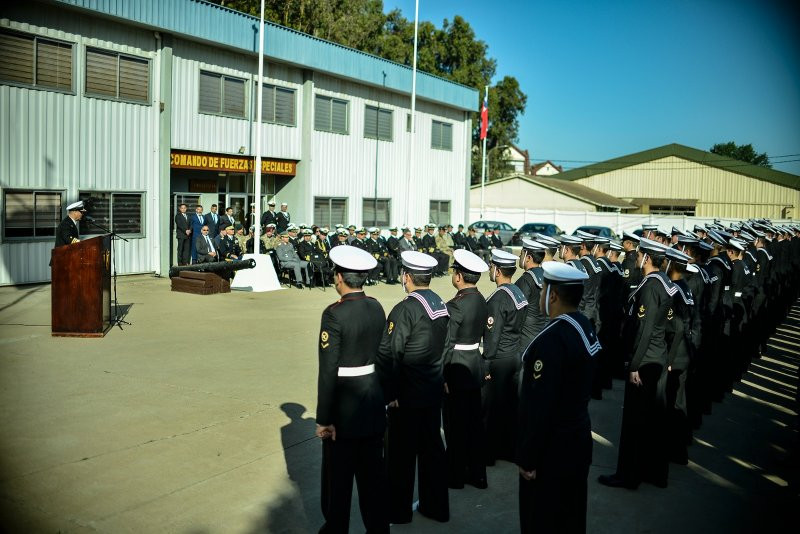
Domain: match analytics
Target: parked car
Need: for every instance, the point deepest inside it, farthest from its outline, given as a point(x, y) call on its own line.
point(528, 229)
point(602, 231)
point(506, 230)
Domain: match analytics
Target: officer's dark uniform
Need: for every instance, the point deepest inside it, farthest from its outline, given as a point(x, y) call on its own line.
point(506, 306)
point(464, 374)
point(631, 273)
point(679, 339)
point(350, 335)
point(393, 245)
point(410, 365)
point(530, 283)
point(555, 435)
point(385, 261)
point(591, 290)
point(609, 309)
point(471, 243)
point(67, 231)
point(429, 248)
point(642, 453)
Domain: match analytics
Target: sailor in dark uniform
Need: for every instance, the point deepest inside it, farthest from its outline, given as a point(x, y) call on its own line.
point(464, 375)
point(720, 312)
point(67, 231)
point(630, 270)
point(679, 339)
point(554, 444)
point(501, 351)
point(592, 285)
point(570, 252)
point(410, 367)
point(642, 447)
point(350, 403)
point(741, 299)
point(609, 310)
point(531, 257)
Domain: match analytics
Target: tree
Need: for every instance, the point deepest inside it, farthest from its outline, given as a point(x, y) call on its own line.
point(742, 153)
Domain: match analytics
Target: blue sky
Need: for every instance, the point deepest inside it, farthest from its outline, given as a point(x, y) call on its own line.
point(606, 79)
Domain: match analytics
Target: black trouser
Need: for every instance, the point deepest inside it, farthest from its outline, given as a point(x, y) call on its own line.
point(642, 447)
point(389, 267)
point(552, 504)
point(466, 448)
point(184, 252)
point(415, 433)
point(677, 423)
point(342, 460)
point(500, 409)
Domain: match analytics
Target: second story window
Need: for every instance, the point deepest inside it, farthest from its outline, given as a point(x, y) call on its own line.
point(221, 95)
point(113, 75)
point(32, 60)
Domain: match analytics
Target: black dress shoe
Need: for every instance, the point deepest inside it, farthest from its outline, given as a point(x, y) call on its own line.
point(612, 481)
point(298, 285)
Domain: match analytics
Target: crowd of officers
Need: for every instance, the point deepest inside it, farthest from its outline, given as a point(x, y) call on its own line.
point(677, 315)
point(308, 257)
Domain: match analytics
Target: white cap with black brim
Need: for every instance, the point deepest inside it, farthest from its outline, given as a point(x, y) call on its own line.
point(529, 244)
point(352, 259)
point(417, 262)
point(468, 262)
point(501, 258)
point(76, 206)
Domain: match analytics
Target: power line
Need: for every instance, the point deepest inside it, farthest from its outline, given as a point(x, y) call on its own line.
point(669, 167)
point(623, 161)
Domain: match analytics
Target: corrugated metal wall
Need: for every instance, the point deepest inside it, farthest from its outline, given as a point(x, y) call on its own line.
point(720, 193)
point(522, 194)
point(192, 130)
point(74, 143)
point(344, 165)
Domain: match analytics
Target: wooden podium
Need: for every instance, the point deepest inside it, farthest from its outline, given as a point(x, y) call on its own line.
point(81, 288)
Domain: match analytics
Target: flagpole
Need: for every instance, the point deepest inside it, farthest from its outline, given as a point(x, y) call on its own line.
point(483, 160)
point(259, 126)
point(413, 113)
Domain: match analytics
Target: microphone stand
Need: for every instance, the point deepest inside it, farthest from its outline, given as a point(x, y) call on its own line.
point(117, 320)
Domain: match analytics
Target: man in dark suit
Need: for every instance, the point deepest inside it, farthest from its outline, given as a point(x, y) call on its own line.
point(67, 231)
point(206, 252)
point(212, 221)
point(198, 221)
point(227, 219)
point(269, 216)
point(183, 233)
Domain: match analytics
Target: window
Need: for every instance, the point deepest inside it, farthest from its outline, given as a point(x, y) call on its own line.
point(330, 211)
point(330, 114)
point(278, 105)
point(368, 214)
point(673, 210)
point(114, 75)
point(440, 212)
point(34, 61)
point(31, 213)
point(377, 123)
point(442, 136)
point(221, 95)
point(118, 212)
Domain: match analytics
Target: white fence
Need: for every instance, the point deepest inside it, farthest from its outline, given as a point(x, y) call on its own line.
point(568, 221)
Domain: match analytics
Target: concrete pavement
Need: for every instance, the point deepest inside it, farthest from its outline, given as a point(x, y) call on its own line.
point(199, 417)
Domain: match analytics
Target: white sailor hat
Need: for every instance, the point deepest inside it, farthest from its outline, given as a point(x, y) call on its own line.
point(586, 236)
point(76, 206)
point(546, 240)
point(675, 231)
point(735, 244)
point(529, 244)
point(652, 247)
point(501, 258)
point(627, 236)
point(468, 262)
point(650, 227)
point(348, 258)
point(716, 238)
point(284, 204)
point(673, 254)
point(417, 261)
point(570, 240)
point(271, 203)
point(613, 245)
point(556, 272)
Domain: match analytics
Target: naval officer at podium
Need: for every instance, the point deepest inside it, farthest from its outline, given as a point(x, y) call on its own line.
point(67, 231)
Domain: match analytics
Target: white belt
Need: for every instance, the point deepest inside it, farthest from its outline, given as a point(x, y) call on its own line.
point(459, 346)
point(357, 371)
point(737, 294)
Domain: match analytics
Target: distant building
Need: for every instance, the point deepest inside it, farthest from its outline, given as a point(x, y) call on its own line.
point(546, 168)
point(517, 159)
point(680, 180)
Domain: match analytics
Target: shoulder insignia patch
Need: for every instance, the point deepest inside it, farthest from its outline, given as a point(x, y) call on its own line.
point(490, 323)
point(670, 314)
point(627, 273)
point(324, 339)
point(758, 267)
point(641, 312)
point(391, 327)
point(537, 369)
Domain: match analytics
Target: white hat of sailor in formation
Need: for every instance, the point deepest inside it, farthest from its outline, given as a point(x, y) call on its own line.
point(417, 261)
point(682, 258)
point(630, 237)
point(570, 240)
point(501, 258)
point(529, 244)
point(556, 272)
point(349, 258)
point(468, 262)
point(652, 247)
point(76, 206)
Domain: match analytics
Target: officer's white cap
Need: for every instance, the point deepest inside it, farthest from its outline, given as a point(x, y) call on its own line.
point(373, 229)
point(735, 243)
point(676, 255)
point(529, 244)
point(466, 261)
point(284, 204)
point(76, 206)
point(547, 240)
point(342, 231)
point(570, 240)
point(352, 258)
point(417, 261)
point(651, 247)
point(501, 258)
point(556, 272)
point(615, 246)
point(630, 237)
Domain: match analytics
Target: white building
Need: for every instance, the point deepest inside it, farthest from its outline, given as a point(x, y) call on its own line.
point(143, 104)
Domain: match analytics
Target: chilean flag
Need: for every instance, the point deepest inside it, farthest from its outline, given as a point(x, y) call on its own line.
point(485, 116)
